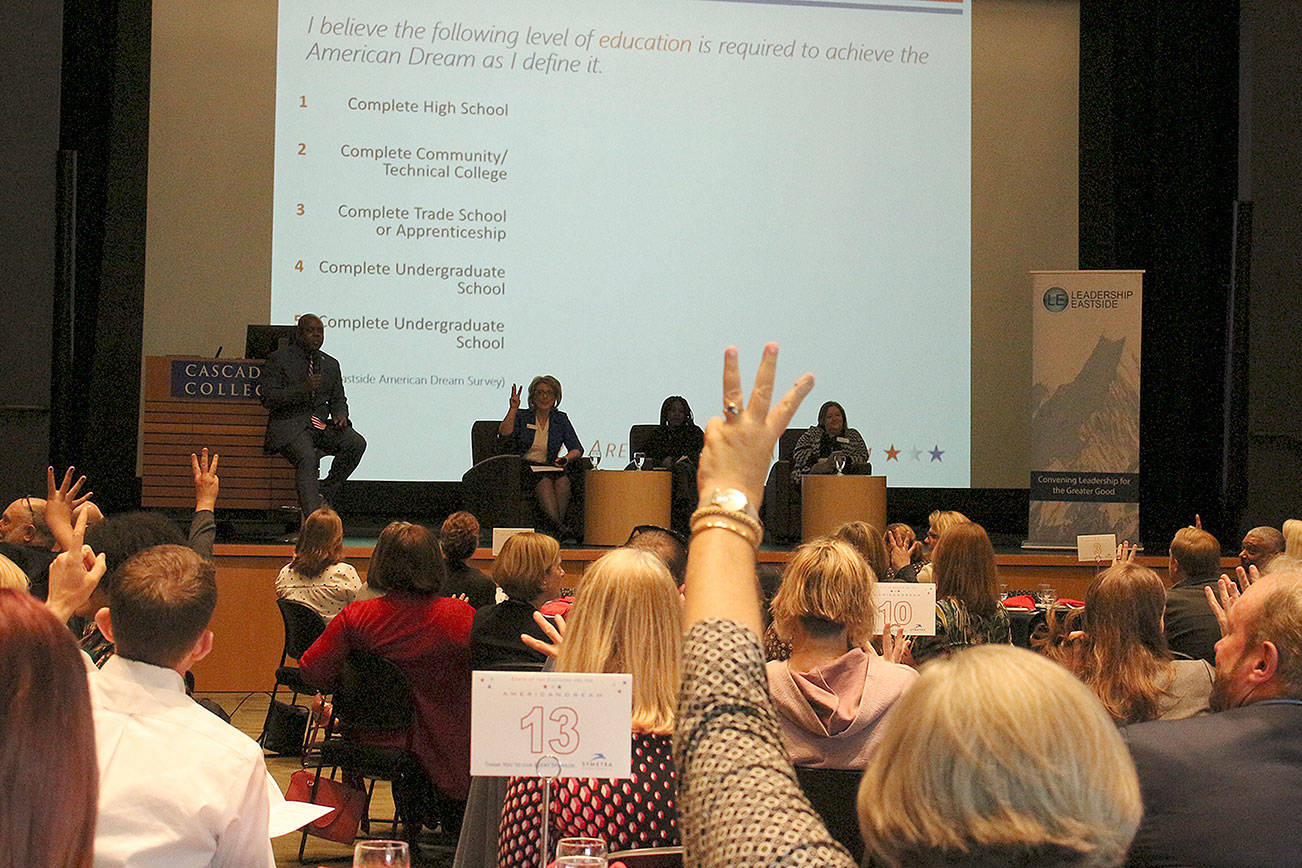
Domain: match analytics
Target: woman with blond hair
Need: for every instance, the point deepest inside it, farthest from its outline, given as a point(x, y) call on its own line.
point(1117, 648)
point(907, 560)
point(833, 691)
point(626, 618)
point(1293, 538)
point(528, 570)
point(12, 576)
point(968, 610)
point(998, 757)
point(317, 577)
point(871, 546)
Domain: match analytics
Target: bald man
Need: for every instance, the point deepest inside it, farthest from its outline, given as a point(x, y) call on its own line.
point(1260, 545)
point(26, 540)
point(304, 391)
point(1217, 788)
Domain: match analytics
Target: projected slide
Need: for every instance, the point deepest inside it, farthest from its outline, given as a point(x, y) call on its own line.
point(473, 193)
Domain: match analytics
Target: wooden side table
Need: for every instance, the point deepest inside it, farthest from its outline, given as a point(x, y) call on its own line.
point(827, 501)
point(616, 501)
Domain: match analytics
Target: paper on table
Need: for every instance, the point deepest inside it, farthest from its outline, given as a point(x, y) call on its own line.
point(545, 468)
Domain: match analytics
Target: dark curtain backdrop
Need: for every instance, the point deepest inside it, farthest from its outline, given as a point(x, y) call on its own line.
point(29, 139)
point(105, 119)
point(1158, 167)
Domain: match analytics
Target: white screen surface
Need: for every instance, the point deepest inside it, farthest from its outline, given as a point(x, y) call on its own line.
point(682, 186)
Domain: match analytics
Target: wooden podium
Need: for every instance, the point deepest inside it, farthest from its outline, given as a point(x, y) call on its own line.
point(827, 501)
point(616, 501)
point(191, 403)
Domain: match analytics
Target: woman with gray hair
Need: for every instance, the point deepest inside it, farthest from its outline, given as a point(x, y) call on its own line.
point(544, 436)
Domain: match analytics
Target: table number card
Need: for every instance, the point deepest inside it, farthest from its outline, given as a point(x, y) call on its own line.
point(502, 534)
point(912, 606)
point(582, 723)
point(1096, 547)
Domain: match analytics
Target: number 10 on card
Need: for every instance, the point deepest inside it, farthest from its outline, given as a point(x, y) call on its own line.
point(568, 724)
point(910, 606)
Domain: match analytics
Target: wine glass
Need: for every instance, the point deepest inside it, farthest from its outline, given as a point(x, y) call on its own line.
point(639, 459)
point(595, 458)
point(581, 853)
point(838, 458)
point(1048, 595)
point(381, 854)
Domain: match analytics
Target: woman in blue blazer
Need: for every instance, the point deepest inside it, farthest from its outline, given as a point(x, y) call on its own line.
point(544, 436)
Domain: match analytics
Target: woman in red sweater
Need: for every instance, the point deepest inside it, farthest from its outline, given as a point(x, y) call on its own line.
point(428, 637)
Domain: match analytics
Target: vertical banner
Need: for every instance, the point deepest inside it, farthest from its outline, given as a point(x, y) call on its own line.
point(1084, 405)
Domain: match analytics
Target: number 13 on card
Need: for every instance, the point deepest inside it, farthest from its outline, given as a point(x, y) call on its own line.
point(579, 722)
point(564, 730)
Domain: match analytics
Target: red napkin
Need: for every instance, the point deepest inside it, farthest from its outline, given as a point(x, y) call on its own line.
point(1021, 601)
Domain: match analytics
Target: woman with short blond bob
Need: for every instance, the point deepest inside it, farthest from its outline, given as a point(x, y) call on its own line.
point(528, 570)
point(626, 618)
point(1115, 645)
point(968, 610)
point(998, 757)
point(834, 689)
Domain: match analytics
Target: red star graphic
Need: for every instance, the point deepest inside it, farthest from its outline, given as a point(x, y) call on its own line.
point(892, 454)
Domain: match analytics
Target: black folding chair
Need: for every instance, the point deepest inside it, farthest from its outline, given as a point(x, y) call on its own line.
point(302, 627)
point(371, 695)
point(834, 794)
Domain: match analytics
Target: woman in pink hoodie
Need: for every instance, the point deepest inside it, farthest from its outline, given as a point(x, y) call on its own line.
point(834, 690)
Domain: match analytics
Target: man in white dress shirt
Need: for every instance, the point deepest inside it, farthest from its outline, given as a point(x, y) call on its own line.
point(178, 786)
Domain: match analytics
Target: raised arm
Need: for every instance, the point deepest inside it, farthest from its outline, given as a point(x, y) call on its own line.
point(508, 422)
point(738, 799)
point(736, 456)
point(61, 503)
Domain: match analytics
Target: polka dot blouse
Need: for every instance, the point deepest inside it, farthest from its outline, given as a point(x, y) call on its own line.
point(638, 812)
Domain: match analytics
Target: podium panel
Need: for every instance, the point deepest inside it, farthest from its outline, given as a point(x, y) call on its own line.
point(828, 501)
point(616, 501)
point(191, 403)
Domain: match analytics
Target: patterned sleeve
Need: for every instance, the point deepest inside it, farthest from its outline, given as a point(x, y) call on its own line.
point(738, 799)
point(805, 453)
point(856, 448)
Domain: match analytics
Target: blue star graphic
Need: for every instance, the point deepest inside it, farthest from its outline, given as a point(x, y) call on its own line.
point(916, 453)
point(937, 452)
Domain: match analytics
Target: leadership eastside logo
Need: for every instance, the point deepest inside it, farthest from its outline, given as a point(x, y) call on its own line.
point(1055, 299)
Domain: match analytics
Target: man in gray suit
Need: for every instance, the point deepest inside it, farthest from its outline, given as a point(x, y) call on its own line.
point(304, 391)
point(1221, 789)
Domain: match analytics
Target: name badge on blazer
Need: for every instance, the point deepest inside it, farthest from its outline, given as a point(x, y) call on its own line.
point(532, 426)
point(842, 439)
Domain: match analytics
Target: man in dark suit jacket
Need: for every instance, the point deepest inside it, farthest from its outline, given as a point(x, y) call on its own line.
point(1221, 789)
point(1191, 627)
point(304, 391)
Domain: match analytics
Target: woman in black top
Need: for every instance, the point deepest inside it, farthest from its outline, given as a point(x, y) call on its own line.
point(458, 539)
point(676, 446)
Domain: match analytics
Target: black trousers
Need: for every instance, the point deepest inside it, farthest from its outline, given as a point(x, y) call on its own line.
point(304, 451)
